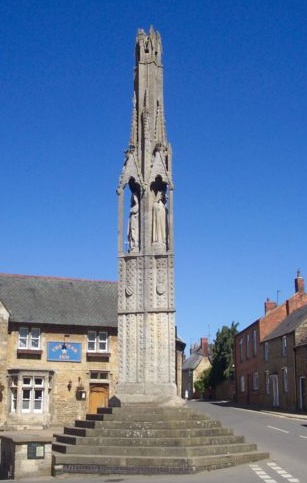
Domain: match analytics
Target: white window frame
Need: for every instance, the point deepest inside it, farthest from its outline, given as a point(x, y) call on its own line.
point(255, 381)
point(241, 349)
point(97, 341)
point(247, 346)
point(242, 383)
point(98, 375)
point(254, 342)
point(29, 338)
point(284, 345)
point(266, 351)
point(267, 382)
point(29, 392)
point(34, 386)
point(285, 379)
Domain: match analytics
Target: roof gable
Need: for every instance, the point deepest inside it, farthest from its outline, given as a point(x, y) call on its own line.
point(192, 362)
point(289, 324)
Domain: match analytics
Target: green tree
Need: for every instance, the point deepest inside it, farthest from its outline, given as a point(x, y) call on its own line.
point(202, 383)
point(222, 355)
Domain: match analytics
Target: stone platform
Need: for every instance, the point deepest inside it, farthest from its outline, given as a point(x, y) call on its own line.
point(149, 440)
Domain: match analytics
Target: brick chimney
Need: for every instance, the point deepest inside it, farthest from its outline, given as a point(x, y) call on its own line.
point(269, 305)
point(299, 283)
point(204, 346)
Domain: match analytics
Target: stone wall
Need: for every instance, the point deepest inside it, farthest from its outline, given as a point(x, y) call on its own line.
point(25, 456)
point(63, 402)
point(4, 315)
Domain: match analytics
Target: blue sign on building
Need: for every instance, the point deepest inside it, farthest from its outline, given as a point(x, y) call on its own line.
point(64, 351)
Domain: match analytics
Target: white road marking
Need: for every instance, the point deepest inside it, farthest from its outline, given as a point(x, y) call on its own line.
point(280, 471)
point(304, 437)
point(278, 429)
point(262, 474)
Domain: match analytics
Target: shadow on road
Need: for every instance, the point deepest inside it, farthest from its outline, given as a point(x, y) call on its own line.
point(232, 404)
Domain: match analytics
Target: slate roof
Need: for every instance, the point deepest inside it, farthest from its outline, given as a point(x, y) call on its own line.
point(192, 362)
point(59, 301)
point(289, 324)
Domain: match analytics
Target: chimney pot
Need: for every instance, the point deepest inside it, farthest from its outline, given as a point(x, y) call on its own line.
point(299, 283)
point(269, 305)
point(204, 346)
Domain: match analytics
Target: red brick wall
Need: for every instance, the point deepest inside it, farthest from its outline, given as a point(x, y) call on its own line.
point(254, 362)
point(275, 365)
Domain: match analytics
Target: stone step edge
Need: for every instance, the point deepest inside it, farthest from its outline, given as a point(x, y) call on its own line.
point(204, 463)
point(156, 451)
point(163, 442)
point(181, 460)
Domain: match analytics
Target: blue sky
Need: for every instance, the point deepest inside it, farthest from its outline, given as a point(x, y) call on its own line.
point(235, 105)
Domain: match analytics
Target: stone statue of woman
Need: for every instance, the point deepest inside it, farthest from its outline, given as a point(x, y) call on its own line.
point(159, 219)
point(133, 225)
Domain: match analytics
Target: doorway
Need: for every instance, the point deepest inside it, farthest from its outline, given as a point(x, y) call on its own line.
point(99, 397)
point(302, 394)
point(274, 379)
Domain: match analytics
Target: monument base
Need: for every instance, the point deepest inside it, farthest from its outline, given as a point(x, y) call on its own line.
point(147, 393)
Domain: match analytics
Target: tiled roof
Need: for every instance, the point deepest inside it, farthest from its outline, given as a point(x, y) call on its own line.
point(59, 301)
point(289, 324)
point(192, 362)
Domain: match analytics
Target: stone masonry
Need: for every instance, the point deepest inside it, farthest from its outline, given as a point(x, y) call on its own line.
point(146, 322)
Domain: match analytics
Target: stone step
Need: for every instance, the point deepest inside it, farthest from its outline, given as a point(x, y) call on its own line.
point(156, 451)
point(134, 433)
point(105, 410)
point(140, 413)
point(99, 464)
point(147, 441)
point(225, 436)
point(137, 425)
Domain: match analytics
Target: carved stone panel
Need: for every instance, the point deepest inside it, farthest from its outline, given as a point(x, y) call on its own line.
point(161, 283)
point(131, 284)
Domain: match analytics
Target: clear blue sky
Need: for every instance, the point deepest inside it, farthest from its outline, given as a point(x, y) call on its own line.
point(236, 107)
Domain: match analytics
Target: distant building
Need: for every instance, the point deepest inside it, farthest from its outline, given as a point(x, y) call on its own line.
point(192, 368)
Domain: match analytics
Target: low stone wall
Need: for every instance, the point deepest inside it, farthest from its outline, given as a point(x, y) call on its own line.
point(25, 455)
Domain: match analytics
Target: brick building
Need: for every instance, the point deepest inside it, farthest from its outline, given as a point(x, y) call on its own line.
point(248, 349)
point(284, 367)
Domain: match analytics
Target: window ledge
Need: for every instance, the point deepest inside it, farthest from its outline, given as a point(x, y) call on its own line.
point(29, 351)
point(98, 355)
point(99, 381)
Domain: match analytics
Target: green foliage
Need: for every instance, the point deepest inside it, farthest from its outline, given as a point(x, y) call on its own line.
point(202, 383)
point(222, 355)
point(199, 385)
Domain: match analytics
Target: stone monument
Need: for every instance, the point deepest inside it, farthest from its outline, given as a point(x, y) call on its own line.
point(146, 312)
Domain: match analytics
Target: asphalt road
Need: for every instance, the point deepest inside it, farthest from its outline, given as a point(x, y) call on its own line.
point(284, 437)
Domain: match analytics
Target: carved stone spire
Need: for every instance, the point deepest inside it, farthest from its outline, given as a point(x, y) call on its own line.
point(134, 127)
point(145, 245)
